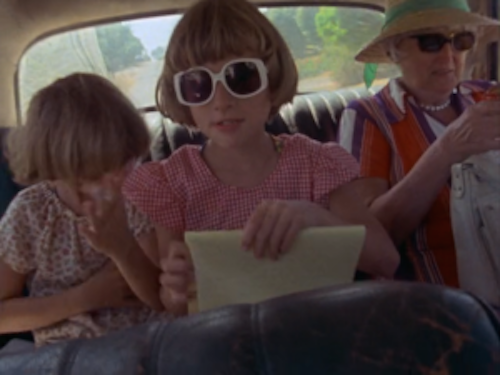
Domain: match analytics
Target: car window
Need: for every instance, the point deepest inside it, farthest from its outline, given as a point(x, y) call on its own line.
point(323, 41)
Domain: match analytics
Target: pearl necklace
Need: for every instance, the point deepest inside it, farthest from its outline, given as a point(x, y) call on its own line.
point(436, 108)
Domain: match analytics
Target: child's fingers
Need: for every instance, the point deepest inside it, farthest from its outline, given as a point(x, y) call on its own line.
point(253, 225)
point(87, 231)
point(277, 237)
point(88, 208)
point(178, 299)
point(176, 303)
point(104, 195)
point(177, 282)
point(92, 209)
point(290, 236)
point(266, 231)
point(178, 250)
point(173, 303)
point(177, 265)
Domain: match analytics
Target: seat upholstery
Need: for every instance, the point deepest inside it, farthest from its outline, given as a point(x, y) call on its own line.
point(8, 189)
point(316, 115)
point(365, 328)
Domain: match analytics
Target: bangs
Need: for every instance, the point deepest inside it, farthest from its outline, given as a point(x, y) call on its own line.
point(235, 29)
point(106, 142)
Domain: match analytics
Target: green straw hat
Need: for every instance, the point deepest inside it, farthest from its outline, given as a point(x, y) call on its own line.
point(407, 16)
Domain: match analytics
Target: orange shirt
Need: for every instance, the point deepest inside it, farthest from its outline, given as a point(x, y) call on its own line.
point(388, 148)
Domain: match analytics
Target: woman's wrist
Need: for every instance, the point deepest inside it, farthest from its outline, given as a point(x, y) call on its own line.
point(444, 153)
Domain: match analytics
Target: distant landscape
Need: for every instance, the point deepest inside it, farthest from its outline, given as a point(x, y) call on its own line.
point(323, 41)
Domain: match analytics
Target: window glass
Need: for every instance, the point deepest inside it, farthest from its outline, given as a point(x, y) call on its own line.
point(323, 41)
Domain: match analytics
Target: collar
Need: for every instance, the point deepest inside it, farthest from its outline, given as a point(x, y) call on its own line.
point(400, 95)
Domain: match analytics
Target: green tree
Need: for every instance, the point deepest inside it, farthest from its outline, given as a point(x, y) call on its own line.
point(120, 47)
point(327, 25)
point(306, 19)
point(158, 53)
point(284, 19)
point(344, 32)
point(352, 27)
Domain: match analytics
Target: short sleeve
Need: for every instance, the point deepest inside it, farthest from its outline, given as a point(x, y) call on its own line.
point(154, 190)
point(333, 167)
point(16, 245)
point(364, 140)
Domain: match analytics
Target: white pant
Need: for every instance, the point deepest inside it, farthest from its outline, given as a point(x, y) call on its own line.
point(475, 212)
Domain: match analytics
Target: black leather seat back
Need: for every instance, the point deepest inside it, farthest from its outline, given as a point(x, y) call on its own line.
point(8, 189)
point(365, 328)
point(316, 115)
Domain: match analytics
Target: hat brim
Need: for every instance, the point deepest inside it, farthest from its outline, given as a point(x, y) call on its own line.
point(375, 51)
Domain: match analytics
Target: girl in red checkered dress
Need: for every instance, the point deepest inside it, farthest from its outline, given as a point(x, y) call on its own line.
point(227, 72)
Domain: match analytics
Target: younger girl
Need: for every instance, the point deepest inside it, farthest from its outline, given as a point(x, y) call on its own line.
point(227, 72)
point(79, 250)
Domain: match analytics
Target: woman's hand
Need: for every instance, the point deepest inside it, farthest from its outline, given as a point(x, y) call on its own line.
point(476, 131)
point(274, 225)
point(176, 279)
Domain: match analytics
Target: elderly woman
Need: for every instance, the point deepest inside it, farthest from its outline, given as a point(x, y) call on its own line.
point(408, 136)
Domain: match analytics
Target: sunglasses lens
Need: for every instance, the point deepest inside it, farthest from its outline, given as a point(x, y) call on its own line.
point(464, 41)
point(431, 42)
point(196, 86)
point(243, 78)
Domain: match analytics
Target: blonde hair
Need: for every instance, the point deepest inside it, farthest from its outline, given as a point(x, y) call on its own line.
point(213, 30)
point(78, 128)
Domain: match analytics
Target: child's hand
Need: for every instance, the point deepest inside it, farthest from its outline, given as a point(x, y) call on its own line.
point(274, 225)
point(106, 289)
point(176, 278)
point(107, 227)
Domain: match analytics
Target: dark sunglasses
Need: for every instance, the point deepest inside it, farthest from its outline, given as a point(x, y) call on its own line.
point(431, 43)
point(242, 78)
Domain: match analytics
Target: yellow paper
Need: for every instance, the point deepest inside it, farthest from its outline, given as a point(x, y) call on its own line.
point(226, 274)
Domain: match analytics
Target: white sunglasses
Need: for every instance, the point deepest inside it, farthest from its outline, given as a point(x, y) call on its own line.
point(242, 78)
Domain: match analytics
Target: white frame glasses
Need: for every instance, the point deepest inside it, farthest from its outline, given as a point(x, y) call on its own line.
point(221, 77)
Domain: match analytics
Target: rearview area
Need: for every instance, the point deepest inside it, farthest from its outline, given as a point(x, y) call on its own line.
point(323, 41)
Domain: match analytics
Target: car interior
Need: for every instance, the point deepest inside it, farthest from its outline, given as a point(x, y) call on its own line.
point(124, 41)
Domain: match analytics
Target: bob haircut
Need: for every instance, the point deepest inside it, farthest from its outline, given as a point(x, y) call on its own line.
point(213, 30)
point(78, 128)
